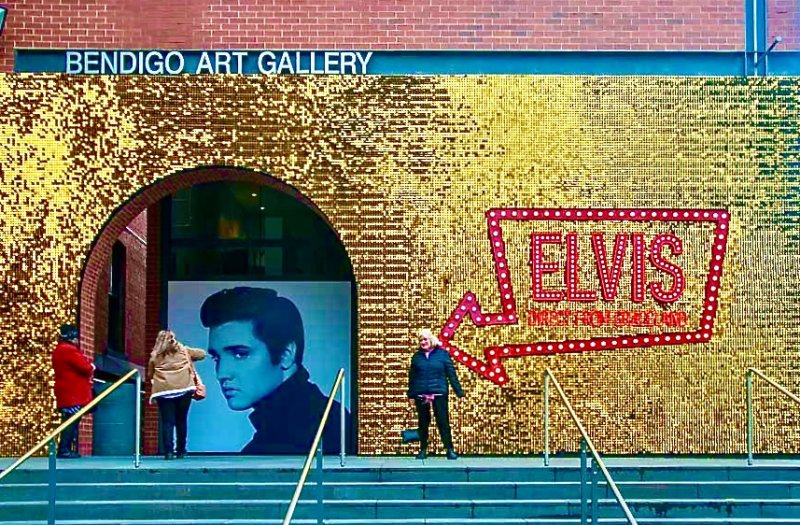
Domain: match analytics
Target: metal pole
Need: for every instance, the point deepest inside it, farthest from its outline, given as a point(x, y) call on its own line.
point(583, 482)
point(341, 424)
point(595, 494)
point(51, 482)
point(587, 442)
point(316, 447)
point(592, 494)
point(320, 487)
point(138, 425)
point(755, 36)
point(749, 37)
point(749, 389)
point(546, 419)
point(761, 33)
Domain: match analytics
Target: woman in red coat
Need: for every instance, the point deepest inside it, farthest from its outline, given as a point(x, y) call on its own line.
point(73, 386)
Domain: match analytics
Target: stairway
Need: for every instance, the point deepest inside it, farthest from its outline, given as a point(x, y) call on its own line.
point(401, 491)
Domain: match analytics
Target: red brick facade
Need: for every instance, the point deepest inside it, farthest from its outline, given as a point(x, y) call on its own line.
point(784, 21)
point(389, 24)
point(133, 238)
point(152, 321)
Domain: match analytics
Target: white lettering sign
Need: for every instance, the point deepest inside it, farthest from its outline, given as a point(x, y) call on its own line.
point(155, 62)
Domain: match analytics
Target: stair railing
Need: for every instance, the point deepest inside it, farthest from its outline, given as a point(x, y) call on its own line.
point(316, 448)
point(749, 388)
point(586, 442)
point(50, 440)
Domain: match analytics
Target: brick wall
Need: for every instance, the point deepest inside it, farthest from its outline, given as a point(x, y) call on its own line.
point(135, 244)
point(784, 21)
point(152, 320)
point(388, 24)
point(134, 239)
point(101, 311)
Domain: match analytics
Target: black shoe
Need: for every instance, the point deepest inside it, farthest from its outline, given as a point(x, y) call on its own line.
point(451, 454)
point(422, 454)
point(169, 456)
point(74, 455)
point(64, 455)
point(180, 455)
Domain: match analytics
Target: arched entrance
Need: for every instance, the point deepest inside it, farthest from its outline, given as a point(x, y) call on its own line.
point(264, 235)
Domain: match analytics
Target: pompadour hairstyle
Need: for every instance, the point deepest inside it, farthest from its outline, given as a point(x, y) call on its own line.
point(276, 320)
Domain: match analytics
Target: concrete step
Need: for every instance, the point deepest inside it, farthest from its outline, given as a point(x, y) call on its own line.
point(455, 510)
point(766, 490)
point(428, 521)
point(386, 491)
point(422, 472)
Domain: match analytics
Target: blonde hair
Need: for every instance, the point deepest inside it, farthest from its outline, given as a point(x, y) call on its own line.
point(427, 334)
point(163, 343)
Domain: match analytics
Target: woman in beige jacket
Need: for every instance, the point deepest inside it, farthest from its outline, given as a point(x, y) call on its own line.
point(173, 378)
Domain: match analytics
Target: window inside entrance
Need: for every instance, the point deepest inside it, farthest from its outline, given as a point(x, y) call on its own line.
point(115, 337)
point(239, 230)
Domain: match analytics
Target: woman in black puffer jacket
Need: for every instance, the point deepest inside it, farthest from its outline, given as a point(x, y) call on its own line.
point(431, 369)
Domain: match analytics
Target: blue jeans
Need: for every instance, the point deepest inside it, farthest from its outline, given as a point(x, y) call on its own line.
point(69, 437)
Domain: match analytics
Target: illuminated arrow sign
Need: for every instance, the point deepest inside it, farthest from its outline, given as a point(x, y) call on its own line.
point(609, 264)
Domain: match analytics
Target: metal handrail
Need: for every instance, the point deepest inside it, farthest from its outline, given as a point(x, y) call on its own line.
point(548, 374)
point(749, 389)
point(52, 435)
point(316, 443)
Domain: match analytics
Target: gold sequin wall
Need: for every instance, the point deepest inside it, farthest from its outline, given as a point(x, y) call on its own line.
point(405, 168)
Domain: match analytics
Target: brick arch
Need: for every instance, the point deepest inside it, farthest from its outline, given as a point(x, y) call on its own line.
point(89, 294)
point(100, 252)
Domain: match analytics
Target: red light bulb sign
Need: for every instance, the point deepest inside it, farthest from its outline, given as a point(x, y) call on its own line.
point(628, 248)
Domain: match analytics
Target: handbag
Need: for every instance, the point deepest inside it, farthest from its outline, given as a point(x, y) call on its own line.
point(410, 436)
point(199, 387)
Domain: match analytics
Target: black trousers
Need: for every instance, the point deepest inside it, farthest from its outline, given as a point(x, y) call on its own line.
point(173, 413)
point(440, 411)
point(69, 438)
